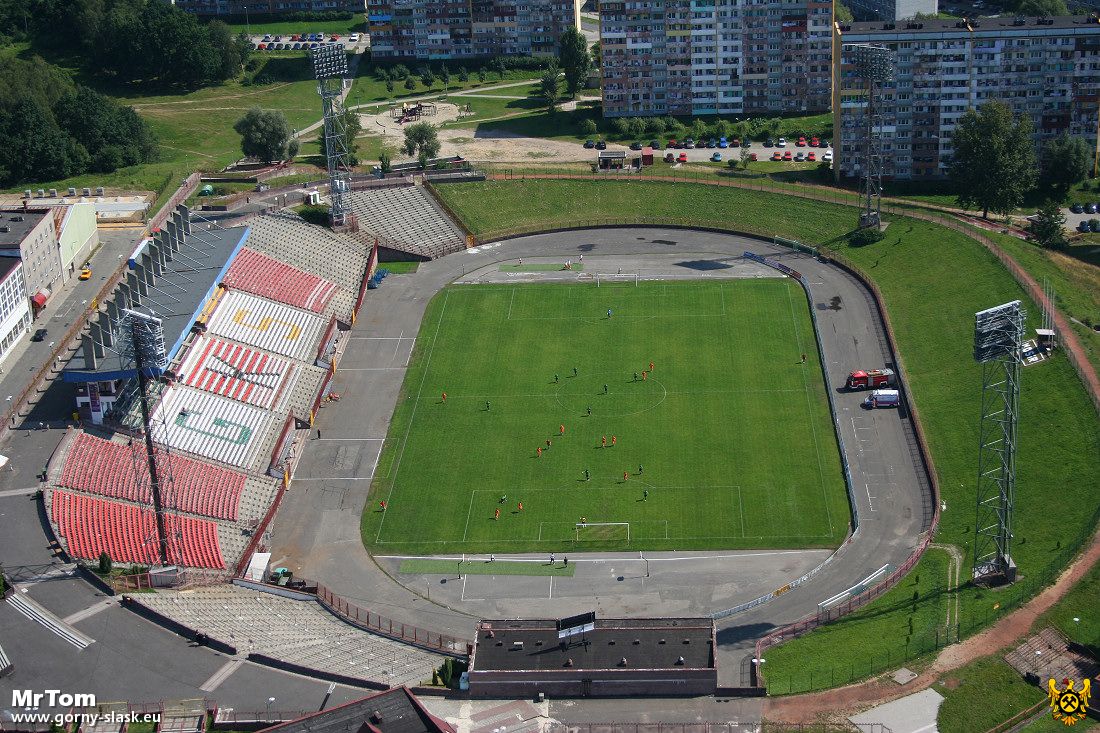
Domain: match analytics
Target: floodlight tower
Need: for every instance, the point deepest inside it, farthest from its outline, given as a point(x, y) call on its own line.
point(874, 65)
point(998, 334)
point(142, 341)
point(330, 67)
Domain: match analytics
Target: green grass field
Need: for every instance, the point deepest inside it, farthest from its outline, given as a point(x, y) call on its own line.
point(433, 566)
point(758, 468)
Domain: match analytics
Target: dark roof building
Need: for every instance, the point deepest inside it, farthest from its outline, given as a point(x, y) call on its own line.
point(617, 657)
point(393, 711)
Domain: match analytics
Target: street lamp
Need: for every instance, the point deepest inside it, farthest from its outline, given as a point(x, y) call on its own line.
point(247, 25)
point(269, 701)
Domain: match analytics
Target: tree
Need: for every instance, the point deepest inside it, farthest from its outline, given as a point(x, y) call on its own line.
point(389, 85)
point(993, 162)
point(445, 76)
point(422, 141)
point(410, 83)
point(636, 127)
point(843, 14)
point(597, 51)
point(621, 125)
point(548, 89)
point(463, 75)
point(746, 158)
point(381, 73)
point(105, 564)
point(399, 72)
point(427, 78)
point(1048, 227)
point(575, 60)
point(1065, 163)
point(1042, 8)
point(655, 126)
point(481, 76)
point(265, 134)
point(699, 129)
point(498, 67)
point(722, 128)
point(588, 126)
point(384, 161)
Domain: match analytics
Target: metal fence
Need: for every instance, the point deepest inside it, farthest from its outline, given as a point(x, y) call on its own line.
point(762, 726)
point(379, 624)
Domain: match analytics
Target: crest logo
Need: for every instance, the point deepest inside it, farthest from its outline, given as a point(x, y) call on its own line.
point(1068, 705)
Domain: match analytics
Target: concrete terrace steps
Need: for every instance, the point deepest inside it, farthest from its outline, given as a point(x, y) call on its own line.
point(313, 249)
point(407, 217)
point(34, 611)
point(299, 632)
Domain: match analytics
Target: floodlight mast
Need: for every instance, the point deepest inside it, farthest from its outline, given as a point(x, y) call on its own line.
point(998, 336)
point(875, 65)
point(330, 67)
point(150, 452)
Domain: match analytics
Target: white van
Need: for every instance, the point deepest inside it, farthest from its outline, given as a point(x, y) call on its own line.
point(882, 398)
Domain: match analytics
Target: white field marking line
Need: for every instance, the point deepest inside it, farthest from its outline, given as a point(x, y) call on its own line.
point(810, 413)
point(722, 298)
point(326, 440)
point(469, 513)
point(870, 498)
point(337, 478)
point(510, 302)
point(397, 346)
point(416, 403)
point(600, 560)
point(382, 338)
point(741, 511)
point(373, 369)
point(822, 536)
point(551, 596)
point(377, 457)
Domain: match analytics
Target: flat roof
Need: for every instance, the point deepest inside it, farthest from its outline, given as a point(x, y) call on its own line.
point(19, 224)
point(393, 711)
point(979, 25)
point(178, 296)
point(7, 266)
point(520, 645)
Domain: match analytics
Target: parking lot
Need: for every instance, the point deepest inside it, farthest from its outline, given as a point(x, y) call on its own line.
point(703, 153)
point(295, 42)
point(1074, 219)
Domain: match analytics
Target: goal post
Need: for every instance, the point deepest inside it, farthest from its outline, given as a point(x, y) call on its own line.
point(619, 277)
point(603, 531)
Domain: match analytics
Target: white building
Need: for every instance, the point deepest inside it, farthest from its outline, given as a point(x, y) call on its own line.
point(15, 310)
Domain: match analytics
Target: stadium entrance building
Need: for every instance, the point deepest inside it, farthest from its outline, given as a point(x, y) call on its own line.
point(586, 657)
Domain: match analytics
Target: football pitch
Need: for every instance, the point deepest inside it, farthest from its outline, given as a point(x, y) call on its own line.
point(726, 443)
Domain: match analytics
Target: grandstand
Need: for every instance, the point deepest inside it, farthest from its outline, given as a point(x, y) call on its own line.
point(407, 219)
point(256, 273)
point(288, 238)
point(253, 354)
point(296, 631)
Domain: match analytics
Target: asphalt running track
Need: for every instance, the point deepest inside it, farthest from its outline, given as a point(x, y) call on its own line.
point(892, 494)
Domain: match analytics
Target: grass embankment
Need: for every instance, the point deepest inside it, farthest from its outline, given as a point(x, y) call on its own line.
point(556, 433)
point(355, 24)
point(933, 281)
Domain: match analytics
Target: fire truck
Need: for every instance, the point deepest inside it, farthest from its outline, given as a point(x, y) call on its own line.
point(872, 379)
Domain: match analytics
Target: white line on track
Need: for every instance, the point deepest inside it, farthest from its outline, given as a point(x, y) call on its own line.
point(597, 560)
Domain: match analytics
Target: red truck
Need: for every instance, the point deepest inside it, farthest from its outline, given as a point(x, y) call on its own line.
point(871, 379)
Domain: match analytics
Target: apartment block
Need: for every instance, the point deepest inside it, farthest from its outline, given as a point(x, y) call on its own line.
point(30, 235)
point(468, 29)
point(887, 10)
point(1046, 68)
point(699, 57)
point(259, 7)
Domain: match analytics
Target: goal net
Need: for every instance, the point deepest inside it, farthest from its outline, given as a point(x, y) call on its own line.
point(625, 278)
point(603, 532)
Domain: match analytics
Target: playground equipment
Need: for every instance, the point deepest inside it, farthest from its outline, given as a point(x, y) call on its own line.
point(412, 112)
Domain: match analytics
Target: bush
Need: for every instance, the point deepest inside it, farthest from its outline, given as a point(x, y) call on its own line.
point(588, 126)
point(868, 235)
point(314, 214)
point(621, 126)
point(105, 564)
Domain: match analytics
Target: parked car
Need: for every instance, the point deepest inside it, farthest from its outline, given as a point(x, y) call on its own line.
point(826, 144)
point(85, 273)
point(811, 156)
point(782, 142)
point(777, 155)
point(689, 144)
point(712, 143)
point(635, 146)
point(589, 144)
point(297, 45)
point(335, 37)
point(752, 156)
point(601, 145)
point(716, 157)
point(800, 157)
point(670, 157)
point(683, 158)
point(673, 144)
point(827, 156)
point(655, 144)
point(815, 142)
point(736, 143)
point(267, 38)
point(278, 38)
point(787, 155)
point(801, 142)
point(261, 46)
point(723, 142)
point(1083, 226)
point(769, 143)
point(746, 143)
point(1077, 209)
point(1094, 225)
point(354, 38)
point(39, 335)
point(1092, 208)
